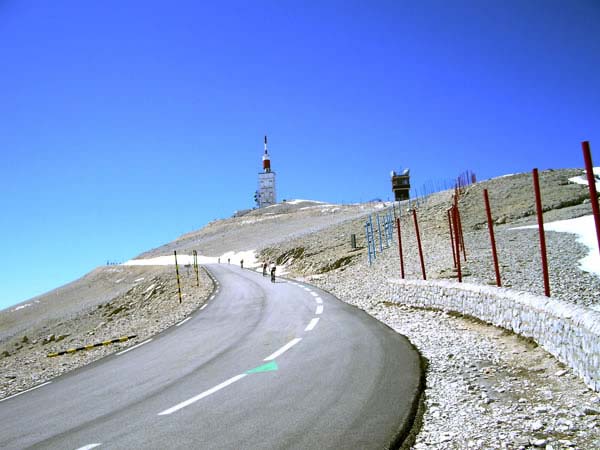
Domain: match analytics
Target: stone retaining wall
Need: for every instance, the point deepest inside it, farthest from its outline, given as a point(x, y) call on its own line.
point(569, 332)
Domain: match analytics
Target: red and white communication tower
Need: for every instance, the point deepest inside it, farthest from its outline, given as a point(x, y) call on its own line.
point(265, 196)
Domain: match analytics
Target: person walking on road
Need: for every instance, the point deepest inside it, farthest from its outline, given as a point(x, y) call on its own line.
point(273, 273)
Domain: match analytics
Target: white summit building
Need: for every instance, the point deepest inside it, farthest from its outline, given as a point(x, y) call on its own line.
point(266, 196)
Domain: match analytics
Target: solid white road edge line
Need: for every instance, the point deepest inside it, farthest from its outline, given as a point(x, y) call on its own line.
point(89, 446)
point(134, 347)
point(283, 349)
point(183, 321)
point(312, 324)
point(319, 309)
point(319, 300)
point(28, 390)
point(202, 395)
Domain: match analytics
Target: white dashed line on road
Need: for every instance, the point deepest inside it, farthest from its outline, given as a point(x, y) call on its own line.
point(89, 446)
point(319, 309)
point(202, 395)
point(312, 324)
point(319, 300)
point(28, 390)
point(183, 321)
point(203, 306)
point(134, 347)
point(314, 294)
point(283, 349)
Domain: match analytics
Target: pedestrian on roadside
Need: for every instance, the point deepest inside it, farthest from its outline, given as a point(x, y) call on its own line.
point(228, 259)
point(264, 269)
point(242, 263)
point(273, 273)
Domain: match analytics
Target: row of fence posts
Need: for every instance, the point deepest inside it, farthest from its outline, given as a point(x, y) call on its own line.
point(196, 270)
point(384, 222)
point(457, 241)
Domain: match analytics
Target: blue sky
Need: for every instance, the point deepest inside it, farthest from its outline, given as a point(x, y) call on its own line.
point(126, 124)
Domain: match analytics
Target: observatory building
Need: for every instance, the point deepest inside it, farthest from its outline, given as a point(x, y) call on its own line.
point(266, 196)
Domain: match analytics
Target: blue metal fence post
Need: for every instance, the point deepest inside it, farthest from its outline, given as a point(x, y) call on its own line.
point(368, 241)
point(386, 228)
point(391, 229)
point(379, 232)
point(373, 245)
point(372, 229)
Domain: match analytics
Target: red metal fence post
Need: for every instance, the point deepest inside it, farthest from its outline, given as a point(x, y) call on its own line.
point(589, 169)
point(400, 247)
point(419, 243)
point(460, 230)
point(538, 205)
point(491, 228)
point(451, 237)
point(456, 242)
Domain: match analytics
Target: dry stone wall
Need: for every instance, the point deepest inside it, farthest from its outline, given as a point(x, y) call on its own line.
point(569, 332)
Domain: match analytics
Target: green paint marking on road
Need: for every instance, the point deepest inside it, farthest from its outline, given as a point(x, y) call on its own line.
point(269, 367)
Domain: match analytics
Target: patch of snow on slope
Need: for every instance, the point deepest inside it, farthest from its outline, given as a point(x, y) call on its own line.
point(249, 257)
point(582, 179)
point(295, 202)
point(585, 230)
point(22, 306)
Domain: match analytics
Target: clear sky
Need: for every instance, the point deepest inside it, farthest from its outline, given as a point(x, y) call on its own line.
point(124, 124)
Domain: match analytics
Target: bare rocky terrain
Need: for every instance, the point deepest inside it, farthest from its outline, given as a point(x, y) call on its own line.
point(109, 303)
point(486, 388)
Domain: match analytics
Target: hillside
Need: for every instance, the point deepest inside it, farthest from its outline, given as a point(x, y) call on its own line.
point(311, 240)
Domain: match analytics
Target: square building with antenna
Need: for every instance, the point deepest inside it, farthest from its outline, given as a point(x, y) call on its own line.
point(266, 194)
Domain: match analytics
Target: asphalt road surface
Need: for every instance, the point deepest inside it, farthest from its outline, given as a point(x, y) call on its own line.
point(261, 365)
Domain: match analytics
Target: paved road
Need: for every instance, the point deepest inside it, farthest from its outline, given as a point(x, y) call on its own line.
point(263, 365)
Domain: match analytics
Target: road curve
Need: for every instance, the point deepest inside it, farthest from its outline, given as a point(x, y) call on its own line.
point(262, 365)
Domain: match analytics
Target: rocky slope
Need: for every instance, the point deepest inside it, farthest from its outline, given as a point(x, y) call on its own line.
point(124, 301)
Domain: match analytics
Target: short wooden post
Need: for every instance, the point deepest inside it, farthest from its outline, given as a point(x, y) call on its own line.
point(177, 273)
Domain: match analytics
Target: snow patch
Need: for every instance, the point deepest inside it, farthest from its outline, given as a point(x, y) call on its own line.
point(295, 202)
point(582, 179)
point(585, 229)
point(22, 306)
point(249, 257)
